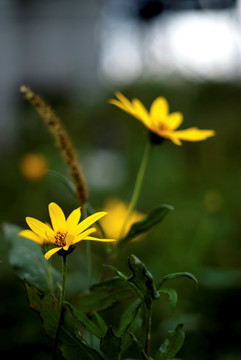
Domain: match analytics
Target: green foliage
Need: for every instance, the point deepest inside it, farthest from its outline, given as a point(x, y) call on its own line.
point(128, 317)
point(142, 279)
point(103, 295)
point(172, 294)
point(90, 326)
point(73, 345)
point(171, 344)
point(176, 276)
point(146, 224)
point(110, 345)
point(28, 261)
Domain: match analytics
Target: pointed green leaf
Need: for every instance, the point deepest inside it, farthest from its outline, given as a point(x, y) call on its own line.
point(172, 295)
point(119, 273)
point(28, 260)
point(177, 275)
point(72, 345)
point(110, 345)
point(146, 224)
point(103, 295)
point(172, 343)
point(101, 323)
point(90, 326)
point(142, 279)
point(128, 317)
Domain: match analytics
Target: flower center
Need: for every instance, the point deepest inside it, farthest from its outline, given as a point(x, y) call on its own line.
point(163, 127)
point(60, 238)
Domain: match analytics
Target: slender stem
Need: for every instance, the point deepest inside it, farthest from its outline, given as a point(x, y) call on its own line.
point(138, 184)
point(88, 252)
point(148, 330)
point(64, 258)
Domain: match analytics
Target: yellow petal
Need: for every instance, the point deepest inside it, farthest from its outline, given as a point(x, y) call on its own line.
point(174, 120)
point(83, 235)
point(159, 110)
point(28, 234)
point(89, 221)
point(141, 113)
point(51, 252)
point(98, 239)
point(193, 134)
point(73, 220)
point(127, 104)
point(176, 141)
point(57, 217)
point(121, 106)
point(39, 228)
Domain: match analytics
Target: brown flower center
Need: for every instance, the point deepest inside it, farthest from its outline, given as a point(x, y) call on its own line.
point(60, 238)
point(163, 127)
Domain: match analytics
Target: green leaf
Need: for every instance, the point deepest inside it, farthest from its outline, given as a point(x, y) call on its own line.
point(101, 323)
point(47, 306)
point(103, 295)
point(28, 260)
point(172, 295)
point(110, 345)
point(72, 344)
point(138, 348)
point(128, 317)
point(90, 326)
point(146, 224)
point(172, 343)
point(177, 275)
point(77, 350)
point(119, 273)
point(142, 279)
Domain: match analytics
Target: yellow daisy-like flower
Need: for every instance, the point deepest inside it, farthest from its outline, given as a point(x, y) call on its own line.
point(159, 121)
point(118, 210)
point(65, 232)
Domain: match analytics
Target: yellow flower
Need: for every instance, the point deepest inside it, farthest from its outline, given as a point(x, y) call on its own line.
point(159, 121)
point(33, 166)
point(113, 223)
point(65, 233)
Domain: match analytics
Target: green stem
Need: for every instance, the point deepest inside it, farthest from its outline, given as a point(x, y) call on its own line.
point(137, 187)
point(88, 252)
point(61, 307)
point(148, 330)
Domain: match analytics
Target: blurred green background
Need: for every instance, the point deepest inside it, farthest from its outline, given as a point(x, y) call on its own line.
point(201, 180)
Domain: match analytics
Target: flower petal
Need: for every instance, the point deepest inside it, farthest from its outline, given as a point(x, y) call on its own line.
point(28, 234)
point(39, 228)
point(174, 120)
point(57, 217)
point(89, 221)
point(51, 252)
point(83, 235)
point(141, 113)
point(73, 220)
point(98, 239)
point(193, 134)
point(121, 106)
point(127, 104)
point(159, 110)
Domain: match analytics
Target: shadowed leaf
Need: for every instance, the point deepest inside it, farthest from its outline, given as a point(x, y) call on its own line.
point(146, 224)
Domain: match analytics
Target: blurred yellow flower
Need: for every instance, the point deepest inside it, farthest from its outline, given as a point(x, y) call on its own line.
point(117, 211)
point(33, 166)
point(158, 121)
point(65, 233)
